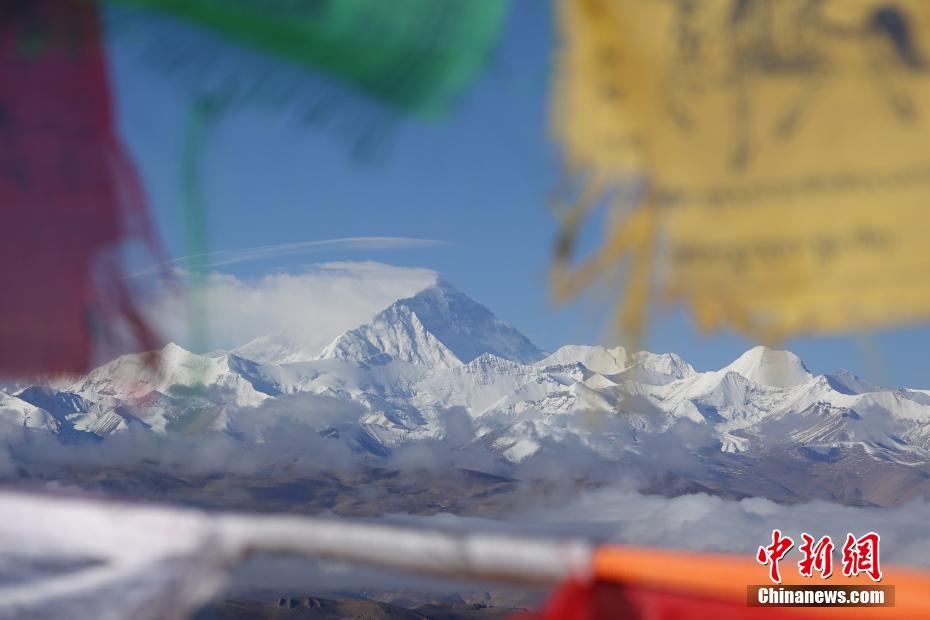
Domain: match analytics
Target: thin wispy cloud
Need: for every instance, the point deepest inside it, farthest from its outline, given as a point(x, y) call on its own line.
point(222, 258)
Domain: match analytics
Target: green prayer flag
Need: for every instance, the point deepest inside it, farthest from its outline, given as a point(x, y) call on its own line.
point(417, 55)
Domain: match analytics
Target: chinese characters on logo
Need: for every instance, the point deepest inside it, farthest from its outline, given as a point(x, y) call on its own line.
point(817, 557)
point(774, 553)
point(859, 555)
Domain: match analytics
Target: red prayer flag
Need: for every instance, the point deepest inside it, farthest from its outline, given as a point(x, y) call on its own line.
point(68, 194)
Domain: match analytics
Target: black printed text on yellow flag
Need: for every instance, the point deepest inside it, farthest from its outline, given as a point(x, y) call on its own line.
point(785, 144)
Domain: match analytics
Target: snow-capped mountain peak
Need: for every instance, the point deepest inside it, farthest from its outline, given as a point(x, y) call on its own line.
point(771, 367)
point(601, 360)
point(620, 365)
point(394, 380)
point(137, 375)
point(438, 327)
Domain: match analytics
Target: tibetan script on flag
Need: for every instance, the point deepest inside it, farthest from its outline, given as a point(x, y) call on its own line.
point(785, 150)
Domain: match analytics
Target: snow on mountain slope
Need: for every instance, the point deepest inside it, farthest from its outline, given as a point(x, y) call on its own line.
point(641, 366)
point(20, 413)
point(770, 367)
point(277, 348)
point(134, 376)
point(397, 333)
point(848, 383)
point(423, 357)
point(437, 327)
point(601, 360)
point(477, 385)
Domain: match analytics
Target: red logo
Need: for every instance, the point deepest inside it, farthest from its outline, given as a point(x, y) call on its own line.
point(859, 555)
point(773, 554)
point(817, 557)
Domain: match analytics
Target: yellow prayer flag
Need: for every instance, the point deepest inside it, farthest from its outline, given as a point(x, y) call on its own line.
point(786, 145)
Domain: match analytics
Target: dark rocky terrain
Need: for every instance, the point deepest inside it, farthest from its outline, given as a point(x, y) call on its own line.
point(351, 609)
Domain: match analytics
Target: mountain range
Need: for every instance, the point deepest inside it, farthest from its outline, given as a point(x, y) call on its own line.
point(439, 371)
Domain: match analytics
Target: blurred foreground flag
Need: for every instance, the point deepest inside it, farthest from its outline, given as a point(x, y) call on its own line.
point(416, 55)
point(641, 583)
point(69, 198)
point(784, 148)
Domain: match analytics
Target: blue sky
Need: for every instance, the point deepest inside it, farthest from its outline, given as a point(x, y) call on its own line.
point(479, 180)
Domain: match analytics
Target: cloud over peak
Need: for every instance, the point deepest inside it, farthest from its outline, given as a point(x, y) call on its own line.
point(311, 306)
